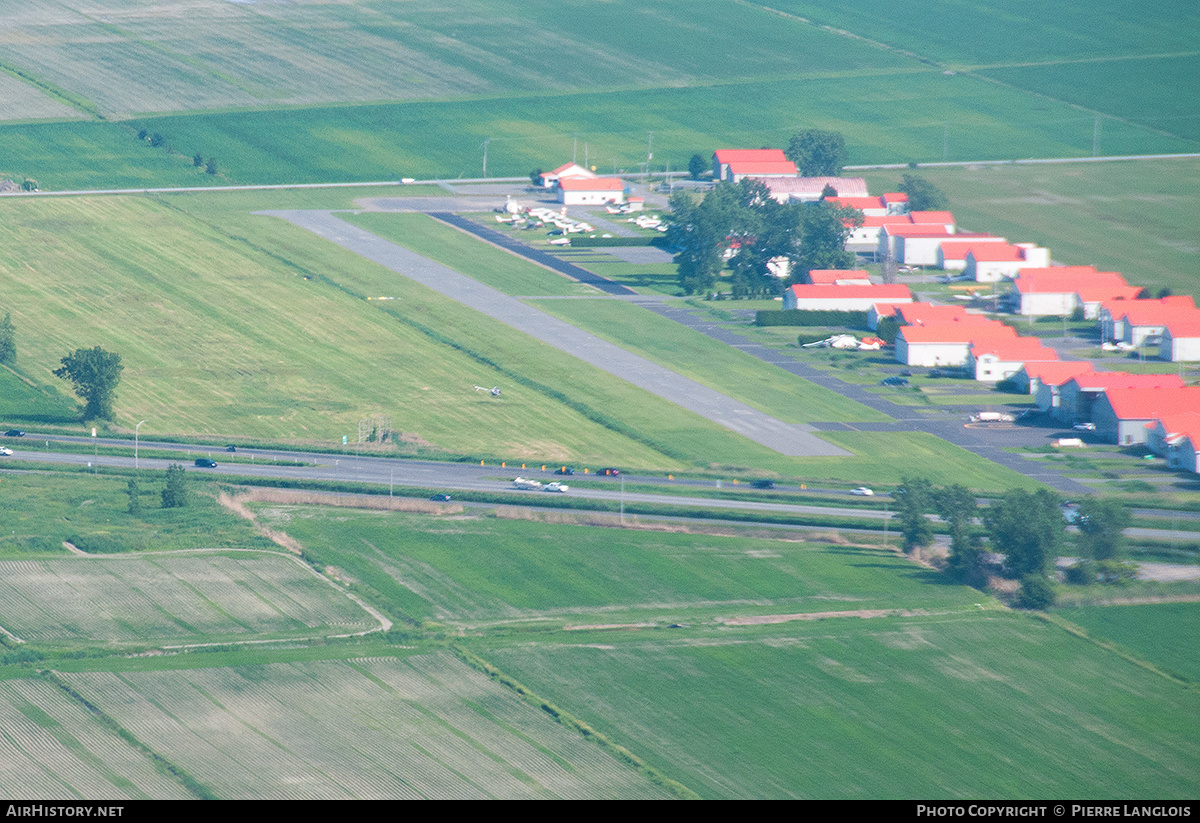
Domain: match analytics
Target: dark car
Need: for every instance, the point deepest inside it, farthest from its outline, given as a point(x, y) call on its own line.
point(14, 433)
point(894, 380)
point(763, 484)
point(205, 463)
point(231, 448)
point(564, 470)
point(610, 472)
point(440, 498)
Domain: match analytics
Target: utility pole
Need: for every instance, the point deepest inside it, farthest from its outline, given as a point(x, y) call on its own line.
point(945, 142)
point(575, 148)
point(1096, 138)
point(485, 145)
point(649, 151)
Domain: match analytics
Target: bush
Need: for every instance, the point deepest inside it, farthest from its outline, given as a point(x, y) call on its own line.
point(174, 496)
point(1115, 572)
point(1035, 593)
point(1082, 573)
point(802, 317)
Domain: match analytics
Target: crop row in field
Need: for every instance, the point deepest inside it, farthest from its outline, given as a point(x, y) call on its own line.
point(987, 705)
point(190, 598)
point(418, 727)
point(1157, 632)
point(53, 748)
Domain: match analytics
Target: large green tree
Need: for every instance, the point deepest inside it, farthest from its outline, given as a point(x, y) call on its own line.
point(957, 508)
point(817, 153)
point(922, 195)
point(95, 374)
point(1102, 525)
point(914, 499)
point(174, 494)
point(823, 232)
point(8, 341)
point(1027, 528)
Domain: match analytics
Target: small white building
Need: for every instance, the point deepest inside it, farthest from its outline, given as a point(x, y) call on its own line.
point(843, 298)
point(598, 191)
point(1180, 340)
point(568, 171)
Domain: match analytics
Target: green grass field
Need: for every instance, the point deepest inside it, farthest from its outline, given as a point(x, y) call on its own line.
point(1150, 631)
point(987, 705)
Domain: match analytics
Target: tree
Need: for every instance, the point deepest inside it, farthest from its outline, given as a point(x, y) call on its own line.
point(1102, 525)
point(211, 166)
point(8, 341)
point(135, 499)
point(823, 232)
point(957, 507)
point(535, 177)
point(817, 153)
point(197, 160)
point(697, 166)
point(1027, 528)
point(922, 195)
point(156, 140)
point(95, 374)
point(913, 499)
point(1035, 592)
point(174, 495)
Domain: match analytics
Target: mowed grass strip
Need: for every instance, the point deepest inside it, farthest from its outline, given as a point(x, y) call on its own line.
point(967, 706)
point(722, 367)
point(384, 727)
point(496, 570)
point(468, 255)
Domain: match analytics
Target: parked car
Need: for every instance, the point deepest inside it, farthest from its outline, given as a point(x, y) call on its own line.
point(7, 452)
point(763, 484)
point(610, 472)
point(894, 380)
point(1084, 427)
point(14, 433)
point(440, 498)
point(567, 470)
point(862, 491)
point(205, 463)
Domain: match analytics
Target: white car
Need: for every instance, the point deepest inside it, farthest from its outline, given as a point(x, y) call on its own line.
point(6, 451)
point(556, 487)
point(863, 491)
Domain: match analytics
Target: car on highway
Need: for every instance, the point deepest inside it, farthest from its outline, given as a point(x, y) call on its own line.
point(610, 472)
point(567, 470)
point(862, 491)
point(763, 484)
point(556, 487)
point(205, 463)
point(14, 433)
point(440, 498)
point(231, 448)
point(7, 452)
point(894, 380)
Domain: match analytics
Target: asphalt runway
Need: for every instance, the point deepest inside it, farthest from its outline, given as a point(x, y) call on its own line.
point(794, 440)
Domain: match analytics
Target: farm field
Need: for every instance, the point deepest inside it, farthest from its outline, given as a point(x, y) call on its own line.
point(1151, 631)
point(472, 571)
point(174, 598)
point(966, 706)
point(411, 727)
point(1132, 217)
point(51, 747)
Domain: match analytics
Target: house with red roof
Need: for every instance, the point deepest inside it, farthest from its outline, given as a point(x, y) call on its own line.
point(574, 191)
point(945, 344)
point(993, 262)
point(934, 218)
point(1057, 290)
point(1164, 432)
point(1122, 414)
point(568, 171)
point(734, 165)
point(1044, 378)
point(952, 253)
point(911, 244)
point(1135, 321)
point(1079, 395)
point(843, 298)
point(993, 360)
point(864, 239)
point(839, 277)
point(1180, 338)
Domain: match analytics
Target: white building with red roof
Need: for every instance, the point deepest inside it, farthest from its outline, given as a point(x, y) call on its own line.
point(1138, 321)
point(809, 189)
point(584, 192)
point(1079, 395)
point(1163, 433)
point(952, 253)
point(734, 165)
point(1043, 379)
point(843, 298)
point(945, 344)
point(993, 360)
point(839, 277)
point(1123, 414)
point(567, 171)
point(1056, 291)
point(1180, 339)
point(993, 262)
